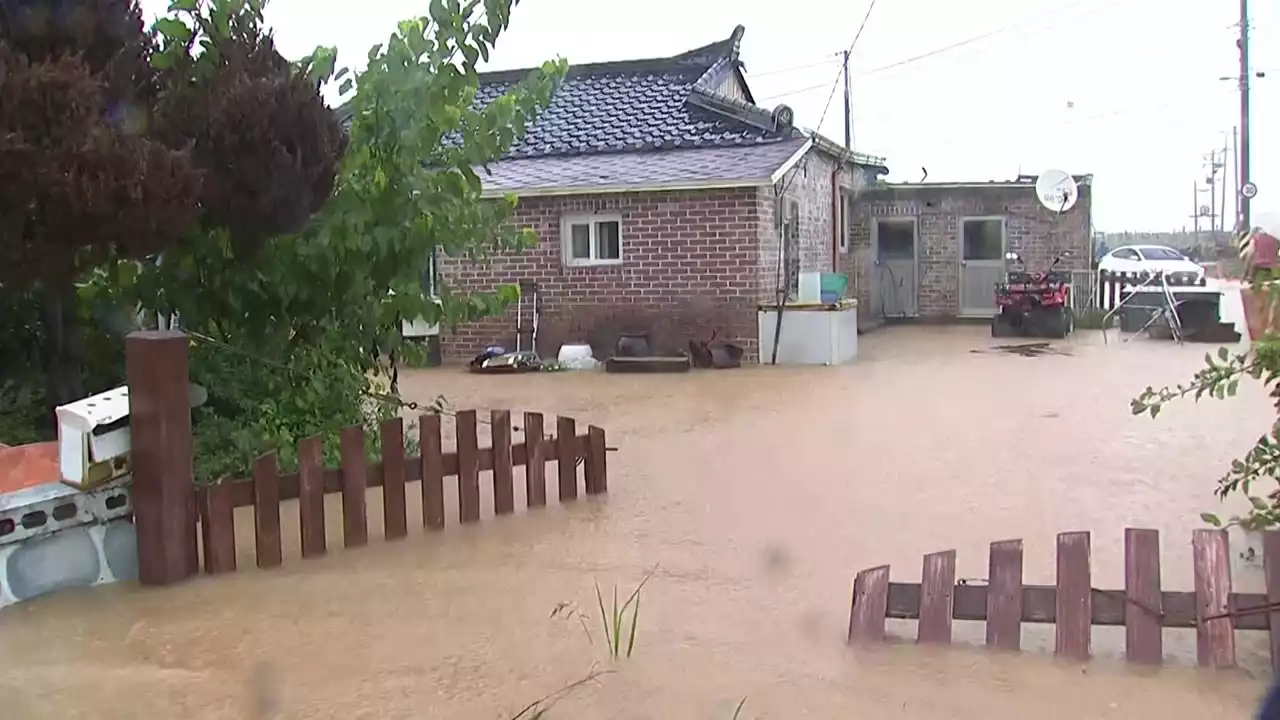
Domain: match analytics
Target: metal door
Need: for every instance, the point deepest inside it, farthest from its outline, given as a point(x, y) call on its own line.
point(982, 248)
point(896, 283)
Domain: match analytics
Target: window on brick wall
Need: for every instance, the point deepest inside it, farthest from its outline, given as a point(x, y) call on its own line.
point(429, 278)
point(791, 248)
point(846, 212)
point(591, 240)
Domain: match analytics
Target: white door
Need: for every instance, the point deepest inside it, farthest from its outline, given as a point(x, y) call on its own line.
point(982, 248)
point(896, 285)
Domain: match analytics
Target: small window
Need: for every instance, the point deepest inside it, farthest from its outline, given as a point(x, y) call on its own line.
point(846, 212)
point(1125, 254)
point(791, 248)
point(592, 240)
point(983, 238)
point(429, 278)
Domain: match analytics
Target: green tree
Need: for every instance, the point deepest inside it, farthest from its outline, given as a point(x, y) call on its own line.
point(81, 178)
point(1256, 474)
point(287, 336)
point(118, 143)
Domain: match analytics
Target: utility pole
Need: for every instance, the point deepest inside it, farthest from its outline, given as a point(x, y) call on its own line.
point(1246, 219)
point(1235, 175)
point(1195, 208)
point(1222, 218)
point(1212, 182)
point(848, 114)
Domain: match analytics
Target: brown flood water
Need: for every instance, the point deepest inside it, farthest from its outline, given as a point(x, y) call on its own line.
point(757, 494)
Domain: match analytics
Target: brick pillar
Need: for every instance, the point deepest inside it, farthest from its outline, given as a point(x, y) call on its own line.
point(164, 507)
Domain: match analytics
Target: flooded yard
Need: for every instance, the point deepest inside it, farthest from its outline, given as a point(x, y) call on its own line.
point(756, 494)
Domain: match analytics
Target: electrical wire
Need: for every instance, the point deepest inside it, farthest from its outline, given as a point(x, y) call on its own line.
point(793, 68)
point(980, 37)
point(797, 91)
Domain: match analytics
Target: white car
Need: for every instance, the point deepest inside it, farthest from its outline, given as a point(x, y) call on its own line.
point(1150, 259)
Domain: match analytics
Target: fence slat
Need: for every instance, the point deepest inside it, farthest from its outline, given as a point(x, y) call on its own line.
point(355, 480)
point(432, 471)
point(311, 496)
point(566, 462)
point(266, 510)
point(1004, 595)
point(468, 467)
point(1074, 614)
point(395, 517)
point(937, 597)
point(596, 467)
point(535, 469)
point(218, 528)
point(1144, 638)
point(870, 604)
point(1215, 637)
point(503, 490)
point(1271, 563)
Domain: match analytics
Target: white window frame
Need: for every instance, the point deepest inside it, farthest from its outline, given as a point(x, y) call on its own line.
point(566, 239)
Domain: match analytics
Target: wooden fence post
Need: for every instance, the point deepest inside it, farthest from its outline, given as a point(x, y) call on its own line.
point(596, 466)
point(164, 501)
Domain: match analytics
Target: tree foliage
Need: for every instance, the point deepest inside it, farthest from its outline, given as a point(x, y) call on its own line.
point(80, 177)
point(118, 143)
point(1255, 475)
point(287, 337)
point(256, 127)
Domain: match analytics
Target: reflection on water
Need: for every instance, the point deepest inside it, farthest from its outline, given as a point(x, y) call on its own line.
point(757, 493)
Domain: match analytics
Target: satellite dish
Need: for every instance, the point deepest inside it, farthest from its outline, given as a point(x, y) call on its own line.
point(1057, 191)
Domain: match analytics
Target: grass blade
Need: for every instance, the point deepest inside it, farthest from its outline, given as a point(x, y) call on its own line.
point(604, 619)
point(635, 616)
point(617, 625)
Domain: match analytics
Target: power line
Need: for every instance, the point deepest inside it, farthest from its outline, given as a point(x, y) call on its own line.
point(797, 91)
point(793, 68)
point(1050, 125)
point(844, 68)
point(976, 38)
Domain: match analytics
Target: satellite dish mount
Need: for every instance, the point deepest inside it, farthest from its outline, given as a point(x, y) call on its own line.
point(1057, 191)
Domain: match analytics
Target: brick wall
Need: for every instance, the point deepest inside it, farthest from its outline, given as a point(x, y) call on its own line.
point(1031, 230)
point(809, 185)
point(690, 265)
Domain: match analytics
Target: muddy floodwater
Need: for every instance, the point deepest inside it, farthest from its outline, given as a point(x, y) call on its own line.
point(756, 494)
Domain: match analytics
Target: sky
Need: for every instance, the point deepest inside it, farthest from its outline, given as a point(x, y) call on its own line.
point(1127, 90)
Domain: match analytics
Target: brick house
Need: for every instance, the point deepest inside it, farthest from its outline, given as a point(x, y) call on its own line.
point(660, 192)
point(935, 250)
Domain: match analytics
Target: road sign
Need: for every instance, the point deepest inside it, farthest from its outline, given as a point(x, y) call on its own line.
point(1249, 190)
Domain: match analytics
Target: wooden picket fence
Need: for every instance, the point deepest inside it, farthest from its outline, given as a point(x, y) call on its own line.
point(1073, 605)
point(267, 488)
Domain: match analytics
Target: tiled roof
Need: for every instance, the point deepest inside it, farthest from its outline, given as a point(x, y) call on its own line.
point(751, 164)
point(642, 105)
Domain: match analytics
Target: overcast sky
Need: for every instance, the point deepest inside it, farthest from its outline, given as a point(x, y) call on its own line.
point(1128, 90)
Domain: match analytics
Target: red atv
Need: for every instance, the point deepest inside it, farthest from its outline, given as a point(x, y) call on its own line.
point(1033, 304)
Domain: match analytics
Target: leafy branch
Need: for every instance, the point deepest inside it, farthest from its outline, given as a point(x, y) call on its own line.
point(1220, 379)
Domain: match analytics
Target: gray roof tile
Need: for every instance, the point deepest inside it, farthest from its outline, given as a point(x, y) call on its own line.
point(640, 105)
point(683, 168)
